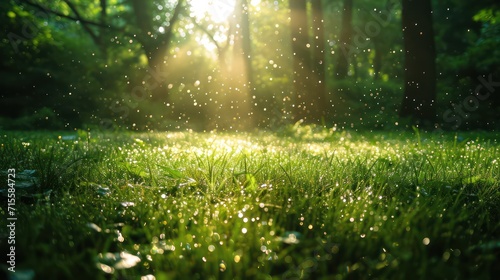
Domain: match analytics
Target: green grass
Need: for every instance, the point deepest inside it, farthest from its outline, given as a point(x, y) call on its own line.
point(304, 203)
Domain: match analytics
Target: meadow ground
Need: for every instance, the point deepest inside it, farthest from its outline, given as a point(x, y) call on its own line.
point(305, 203)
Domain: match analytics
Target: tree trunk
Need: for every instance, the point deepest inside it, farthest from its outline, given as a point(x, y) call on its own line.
point(246, 45)
point(156, 49)
point(103, 32)
point(242, 67)
point(319, 90)
point(420, 61)
point(301, 59)
point(377, 59)
point(342, 67)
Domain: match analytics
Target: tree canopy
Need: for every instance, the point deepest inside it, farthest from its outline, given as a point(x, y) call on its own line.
point(241, 64)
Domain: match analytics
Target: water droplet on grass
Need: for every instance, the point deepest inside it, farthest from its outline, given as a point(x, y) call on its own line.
point(103, 191)
point(94, 227)
point(106, 268)
point(127, 204)
point(108, 262)
point(222, 266)
point(237, 259)
point(290, 237)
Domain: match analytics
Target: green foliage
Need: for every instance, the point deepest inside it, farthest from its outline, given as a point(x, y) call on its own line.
point(86, 74)
point(468, 50)
point(43, 118)
point(485, 52)
point(364, 104)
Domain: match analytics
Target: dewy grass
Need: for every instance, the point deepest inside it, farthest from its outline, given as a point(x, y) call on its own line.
point(313, 205)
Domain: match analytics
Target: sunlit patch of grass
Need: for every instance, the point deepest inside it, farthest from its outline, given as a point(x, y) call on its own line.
point(307, 203)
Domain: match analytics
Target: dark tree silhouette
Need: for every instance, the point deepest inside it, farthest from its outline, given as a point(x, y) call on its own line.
point(301, 58)
point(308, 99)
point(318, 61)
point(420, 61)
point(342, 66)
point(156, 47)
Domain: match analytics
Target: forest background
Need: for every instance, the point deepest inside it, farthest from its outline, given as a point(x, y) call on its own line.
point(238, 65)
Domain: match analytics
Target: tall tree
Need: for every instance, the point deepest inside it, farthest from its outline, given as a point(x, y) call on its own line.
point(420, 61)
point(246, 43)
point(155, 44)
point(377, 59)
point(342, 67)
point(242, 66)
point(318, 62)
point(308, 103)
point(301, 58)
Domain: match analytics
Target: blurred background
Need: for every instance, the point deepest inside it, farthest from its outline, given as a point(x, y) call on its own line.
point(246, 64)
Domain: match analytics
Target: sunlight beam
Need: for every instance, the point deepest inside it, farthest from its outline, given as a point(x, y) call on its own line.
point(215, 10)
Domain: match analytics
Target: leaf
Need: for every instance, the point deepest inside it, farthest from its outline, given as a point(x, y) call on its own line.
point(290, 237)
point(173, 173)
point(26, 179)
point(250, 182)
point(108, 262)
point(103, 190)
point(68, 137)
point(140, 142)
point(487, 247)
